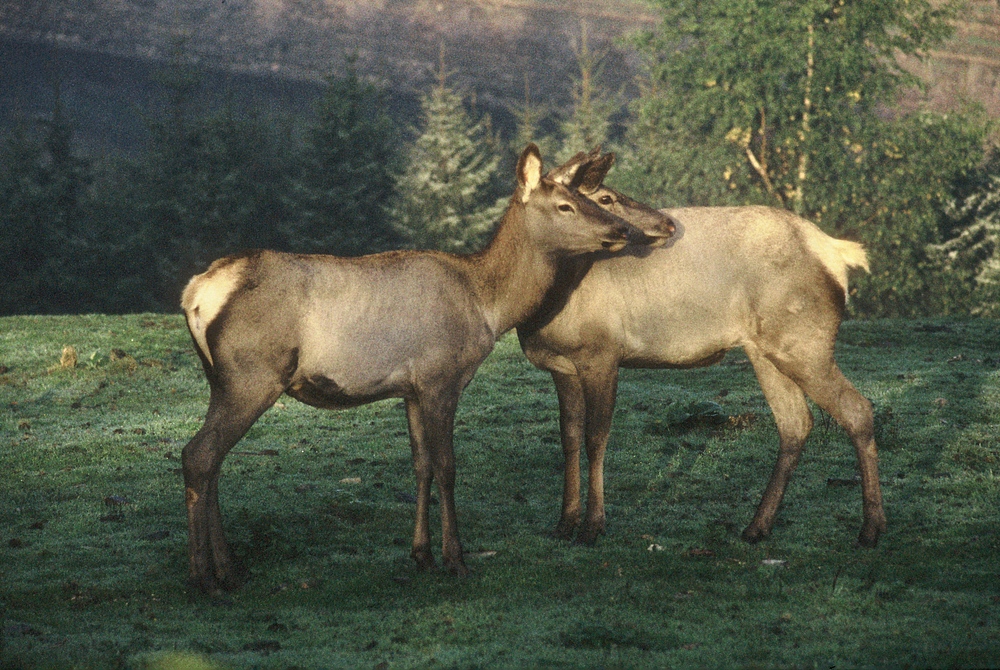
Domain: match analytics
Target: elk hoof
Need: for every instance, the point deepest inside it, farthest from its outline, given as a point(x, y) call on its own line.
point(424, 559)
point(202, 584)
point(752, 534)
point(208, 585)
point(232, 580)
point(870, 533)
point(588, 535)
point(564, 531)
point(457, 568)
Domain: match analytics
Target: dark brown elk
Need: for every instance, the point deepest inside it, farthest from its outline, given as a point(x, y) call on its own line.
point(340, 332)
point(753, 277)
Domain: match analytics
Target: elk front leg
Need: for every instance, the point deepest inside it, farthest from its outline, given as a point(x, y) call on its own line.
point(600, 386)
point(431, 430)
point(421, 551)
point(572, 420)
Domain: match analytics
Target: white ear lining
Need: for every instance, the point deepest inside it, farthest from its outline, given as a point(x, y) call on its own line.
point(531, 175)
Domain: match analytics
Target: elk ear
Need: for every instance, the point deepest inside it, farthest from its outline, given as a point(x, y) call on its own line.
point(529, 171)
point(568, 174)
point(595, 173)
point(564, 173)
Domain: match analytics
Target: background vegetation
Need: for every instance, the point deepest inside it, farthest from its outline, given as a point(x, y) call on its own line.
point(319, 506)
point(791, 104)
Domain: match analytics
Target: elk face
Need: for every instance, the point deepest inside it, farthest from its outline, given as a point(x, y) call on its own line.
point(655, 225)
point(562, 219)
point(585, 173)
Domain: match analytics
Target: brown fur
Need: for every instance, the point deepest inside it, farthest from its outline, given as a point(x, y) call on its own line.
point(339, 332)
point(750, 277)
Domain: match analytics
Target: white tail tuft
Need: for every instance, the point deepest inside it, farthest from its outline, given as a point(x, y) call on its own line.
point(206, 294)
point(836, 255)
point(854, 254)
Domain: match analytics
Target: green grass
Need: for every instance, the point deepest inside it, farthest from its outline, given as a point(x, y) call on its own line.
point(93, 536)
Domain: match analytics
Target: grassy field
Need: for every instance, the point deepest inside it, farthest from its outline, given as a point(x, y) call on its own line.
point(319, 507)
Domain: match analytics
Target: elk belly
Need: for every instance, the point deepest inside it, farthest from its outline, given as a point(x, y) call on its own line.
point(324, 392)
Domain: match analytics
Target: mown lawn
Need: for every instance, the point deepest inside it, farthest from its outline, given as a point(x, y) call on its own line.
point(319, 506)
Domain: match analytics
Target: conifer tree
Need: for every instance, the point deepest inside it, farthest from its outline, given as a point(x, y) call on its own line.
point(212, 183)
point(347, 172)
point(530, 117)
point(589, 122)
point(973, 253)
point(446, 193)
point(46, 249)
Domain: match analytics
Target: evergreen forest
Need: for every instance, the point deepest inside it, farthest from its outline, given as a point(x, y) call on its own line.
point(787, 104)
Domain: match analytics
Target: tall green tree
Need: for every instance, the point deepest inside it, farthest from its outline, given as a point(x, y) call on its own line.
point(782, 102)
point(530, 125)
point(346, 172)
point(447, 192)
point(213, 184)
point(589, 121)
point(972, 253)
point(45, 249)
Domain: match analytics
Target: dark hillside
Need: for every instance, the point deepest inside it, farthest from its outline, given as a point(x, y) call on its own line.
point(274, 52)
point(108, 94)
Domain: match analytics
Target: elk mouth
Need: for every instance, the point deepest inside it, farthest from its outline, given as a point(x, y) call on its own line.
point(659, 230)
point(657, 241)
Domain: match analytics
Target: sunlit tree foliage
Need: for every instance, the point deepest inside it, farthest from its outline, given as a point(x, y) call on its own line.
point(784, 103)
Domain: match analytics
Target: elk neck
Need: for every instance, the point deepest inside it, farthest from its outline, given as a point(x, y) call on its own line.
point(513, 274)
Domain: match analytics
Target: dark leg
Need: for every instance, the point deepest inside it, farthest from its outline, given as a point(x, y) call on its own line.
point(811, 365)
point(228, 419)
point(794, 421)
point(600, 386)
point(434, 458)
point(421, 552)
point(572, 421)
point(835, 394)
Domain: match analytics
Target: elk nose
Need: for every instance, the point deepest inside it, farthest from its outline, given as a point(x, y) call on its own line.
point(663, 232)
point(618, 235)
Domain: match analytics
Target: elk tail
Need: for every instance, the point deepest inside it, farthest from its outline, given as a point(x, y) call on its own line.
point(837, 256)
point(205, 296)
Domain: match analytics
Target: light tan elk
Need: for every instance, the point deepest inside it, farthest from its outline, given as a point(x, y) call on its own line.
point(341, 332)
point(753, 277)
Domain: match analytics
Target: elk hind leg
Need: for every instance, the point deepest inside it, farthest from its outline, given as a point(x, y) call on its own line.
point(835, 394)
point(211, 566)
point(794, 422)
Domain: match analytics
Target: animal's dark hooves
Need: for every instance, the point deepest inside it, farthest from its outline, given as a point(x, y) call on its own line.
point(424, 560)
point(215, 587)
point(867, 540)
point(587, 537)
point(565, 529)
point(203, 586)
point(753, 535)
point(233, 582)
point(458, 569)
point(563, 534)
point(871, 531)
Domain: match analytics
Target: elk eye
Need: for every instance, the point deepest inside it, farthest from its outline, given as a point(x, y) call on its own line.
point(606, 200)
point(565, 208)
